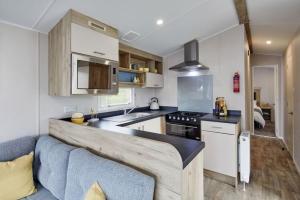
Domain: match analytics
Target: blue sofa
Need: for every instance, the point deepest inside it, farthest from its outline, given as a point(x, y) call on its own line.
point(65, 172)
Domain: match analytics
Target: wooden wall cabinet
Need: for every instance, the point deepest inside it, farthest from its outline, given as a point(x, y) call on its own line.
point(135, 61)
point(154, 80)
point(78, 33)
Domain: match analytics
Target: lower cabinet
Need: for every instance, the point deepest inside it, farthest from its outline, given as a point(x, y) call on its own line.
point(220, 153)
point(221, 149)
point(153, 125)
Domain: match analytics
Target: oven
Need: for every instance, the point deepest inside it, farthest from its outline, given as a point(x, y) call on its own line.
point(183, 130)
point(94, 75)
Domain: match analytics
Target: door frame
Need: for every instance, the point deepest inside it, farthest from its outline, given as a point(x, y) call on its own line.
point(276, 94)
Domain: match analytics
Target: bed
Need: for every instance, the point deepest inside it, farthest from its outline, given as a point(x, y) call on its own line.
point(259, 121)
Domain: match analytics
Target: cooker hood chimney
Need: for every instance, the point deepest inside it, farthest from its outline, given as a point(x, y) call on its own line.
point(191, 58)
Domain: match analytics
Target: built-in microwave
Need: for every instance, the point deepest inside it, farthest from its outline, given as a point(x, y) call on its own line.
point(94, 75)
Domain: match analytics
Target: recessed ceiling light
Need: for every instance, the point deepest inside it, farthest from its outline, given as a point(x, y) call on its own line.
point(159, 22)
point(268, 42)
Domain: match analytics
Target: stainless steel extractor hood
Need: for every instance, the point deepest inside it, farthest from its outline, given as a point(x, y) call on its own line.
point(191, 58)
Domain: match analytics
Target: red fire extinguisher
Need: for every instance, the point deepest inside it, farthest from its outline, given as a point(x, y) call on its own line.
point(236, 83)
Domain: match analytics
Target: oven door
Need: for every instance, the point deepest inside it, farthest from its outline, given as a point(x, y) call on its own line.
point(91, 75)
point(192, 132)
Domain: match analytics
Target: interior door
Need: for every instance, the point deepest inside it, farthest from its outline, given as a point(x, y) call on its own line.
point(289, 132)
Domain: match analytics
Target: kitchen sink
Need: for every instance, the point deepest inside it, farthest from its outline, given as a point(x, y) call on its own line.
point(127, 117)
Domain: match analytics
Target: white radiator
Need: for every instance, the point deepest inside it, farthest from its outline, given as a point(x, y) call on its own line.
point(244, 156)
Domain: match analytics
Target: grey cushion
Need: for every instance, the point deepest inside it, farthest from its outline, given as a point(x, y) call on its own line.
point(116, 180)
point(13, 149)
point(41, 194)
point(52, 158)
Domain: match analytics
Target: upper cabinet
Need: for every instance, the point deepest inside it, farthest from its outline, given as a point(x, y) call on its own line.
point(89, 42)
point(77, 33)
point(139, 68)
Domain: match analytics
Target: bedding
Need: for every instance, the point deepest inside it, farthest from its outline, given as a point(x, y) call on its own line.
point(258, 115)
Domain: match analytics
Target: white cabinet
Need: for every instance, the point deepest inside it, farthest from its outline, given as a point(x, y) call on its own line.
point(90, 42)
point(154, 80)
point(220, 153)
point(152, 125)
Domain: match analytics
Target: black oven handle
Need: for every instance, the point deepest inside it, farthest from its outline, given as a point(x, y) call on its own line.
point(171, 124)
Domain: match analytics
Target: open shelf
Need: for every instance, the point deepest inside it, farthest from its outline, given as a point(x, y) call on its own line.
point(123, 69)
point(130, 84)
point(131, 60)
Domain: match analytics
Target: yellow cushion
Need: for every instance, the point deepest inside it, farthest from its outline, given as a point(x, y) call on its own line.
point(16, 179)
point(95, 193)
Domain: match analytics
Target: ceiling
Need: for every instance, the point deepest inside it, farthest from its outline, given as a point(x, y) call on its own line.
point(183, 20)
point(275, 20)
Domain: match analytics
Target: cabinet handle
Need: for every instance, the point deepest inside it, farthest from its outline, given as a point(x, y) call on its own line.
point(100, 53)
point(96, 26)
point(143, 127)
point(217, 127)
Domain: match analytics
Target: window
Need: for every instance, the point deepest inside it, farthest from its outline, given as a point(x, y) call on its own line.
point(125, 98)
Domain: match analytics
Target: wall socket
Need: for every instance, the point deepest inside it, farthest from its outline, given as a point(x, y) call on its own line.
point(70, 109)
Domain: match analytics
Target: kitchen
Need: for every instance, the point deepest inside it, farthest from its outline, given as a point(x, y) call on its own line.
point(142, 100)
point(192, 120)
point(65, 91)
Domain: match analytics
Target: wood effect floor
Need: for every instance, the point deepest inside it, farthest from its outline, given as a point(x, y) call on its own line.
point(268, 130)
point(273, 175)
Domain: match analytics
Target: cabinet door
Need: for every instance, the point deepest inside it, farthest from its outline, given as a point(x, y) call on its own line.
point(220, 153)
point(154, 80)
point(136, 126)
point(152, 125)
point(90, 42)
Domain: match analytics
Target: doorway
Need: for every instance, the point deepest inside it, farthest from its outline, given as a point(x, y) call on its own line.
point(265, 100)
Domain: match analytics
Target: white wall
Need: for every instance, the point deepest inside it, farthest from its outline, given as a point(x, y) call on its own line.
point(224, 55)
point(18, 82)
point(24, 102)
point(263, 78)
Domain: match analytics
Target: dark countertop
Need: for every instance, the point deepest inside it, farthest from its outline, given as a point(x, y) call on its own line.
point(233, 119)
point(187, 148)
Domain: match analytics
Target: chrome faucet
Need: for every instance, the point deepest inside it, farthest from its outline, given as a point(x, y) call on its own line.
point(127, 112)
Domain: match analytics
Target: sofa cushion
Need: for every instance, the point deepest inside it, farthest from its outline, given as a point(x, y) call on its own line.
point(41, 194)
point(117, 181)
point(52, 158)
point(16, 178)
point(16, 148)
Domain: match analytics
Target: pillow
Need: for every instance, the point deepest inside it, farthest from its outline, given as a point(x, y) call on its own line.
point(95, 193)
point(16, 178)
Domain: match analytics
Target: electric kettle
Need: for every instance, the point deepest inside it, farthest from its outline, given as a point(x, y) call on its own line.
point(154, 104)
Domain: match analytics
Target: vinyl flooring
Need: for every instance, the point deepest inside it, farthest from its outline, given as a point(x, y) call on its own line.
point(273, 175)
point(268, 130)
